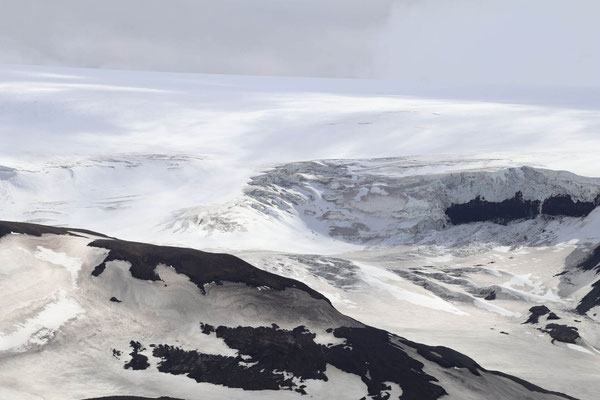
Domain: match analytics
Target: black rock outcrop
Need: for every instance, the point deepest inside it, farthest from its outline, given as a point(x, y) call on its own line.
point(502, 212)
point(562, 333)
point(537, 311)
point(563, 205)
point(517, 208)
point(590, 300)
point(200, 266)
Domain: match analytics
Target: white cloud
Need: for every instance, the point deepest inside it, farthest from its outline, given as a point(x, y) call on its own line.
point(439, 42)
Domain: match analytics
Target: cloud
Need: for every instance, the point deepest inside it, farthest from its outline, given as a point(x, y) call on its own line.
point(280, 37)
point(438, 42)
point(534, 42)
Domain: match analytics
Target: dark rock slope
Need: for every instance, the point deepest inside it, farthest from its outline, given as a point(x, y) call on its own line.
point(479, 210)
point(536, 312)
point(373, 354)
point(562, 333)
point(592, 262)
point(592, 299)
point(8, 227)
point(517, 208)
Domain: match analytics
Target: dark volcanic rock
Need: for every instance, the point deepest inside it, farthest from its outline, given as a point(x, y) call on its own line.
point(592, 261)
point(217, 369)
point(552, 316)
point(563, 205)
point(138, 361)
point(268, 351)
point(374, 355)
point(445, 357)
point(7, 227)
point(491, 296)
point(480, 210)
point(201, 267)
point(562, 333)
point(590, 300)
point(115, 300)
point(535, 313)
point(207, 329)
point(370, 354)
point(303, 357)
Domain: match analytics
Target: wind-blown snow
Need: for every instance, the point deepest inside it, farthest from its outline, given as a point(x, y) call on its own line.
point(536, 290)
point(388, 281)
point(40, 329)
point(72, 264)
point(234, 118)
point(579, 348)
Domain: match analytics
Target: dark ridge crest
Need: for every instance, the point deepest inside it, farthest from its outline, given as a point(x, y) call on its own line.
point(8, 227)
point(530, 386)
point(590, 300)
point(200, 266)
point(592, 261)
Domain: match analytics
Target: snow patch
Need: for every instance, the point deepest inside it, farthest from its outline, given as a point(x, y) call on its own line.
point(389, 281)
point(41, 328)
point(494, 308)
point(579, 348)
point(72, 264)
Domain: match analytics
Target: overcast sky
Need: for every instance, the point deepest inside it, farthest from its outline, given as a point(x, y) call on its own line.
point(439, 42)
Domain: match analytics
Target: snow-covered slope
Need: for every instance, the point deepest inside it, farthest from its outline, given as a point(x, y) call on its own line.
point(112, 192)
point(199, 325)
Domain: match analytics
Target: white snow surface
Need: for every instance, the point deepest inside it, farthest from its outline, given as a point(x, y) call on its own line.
point(73, 265)
point(40, 329)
